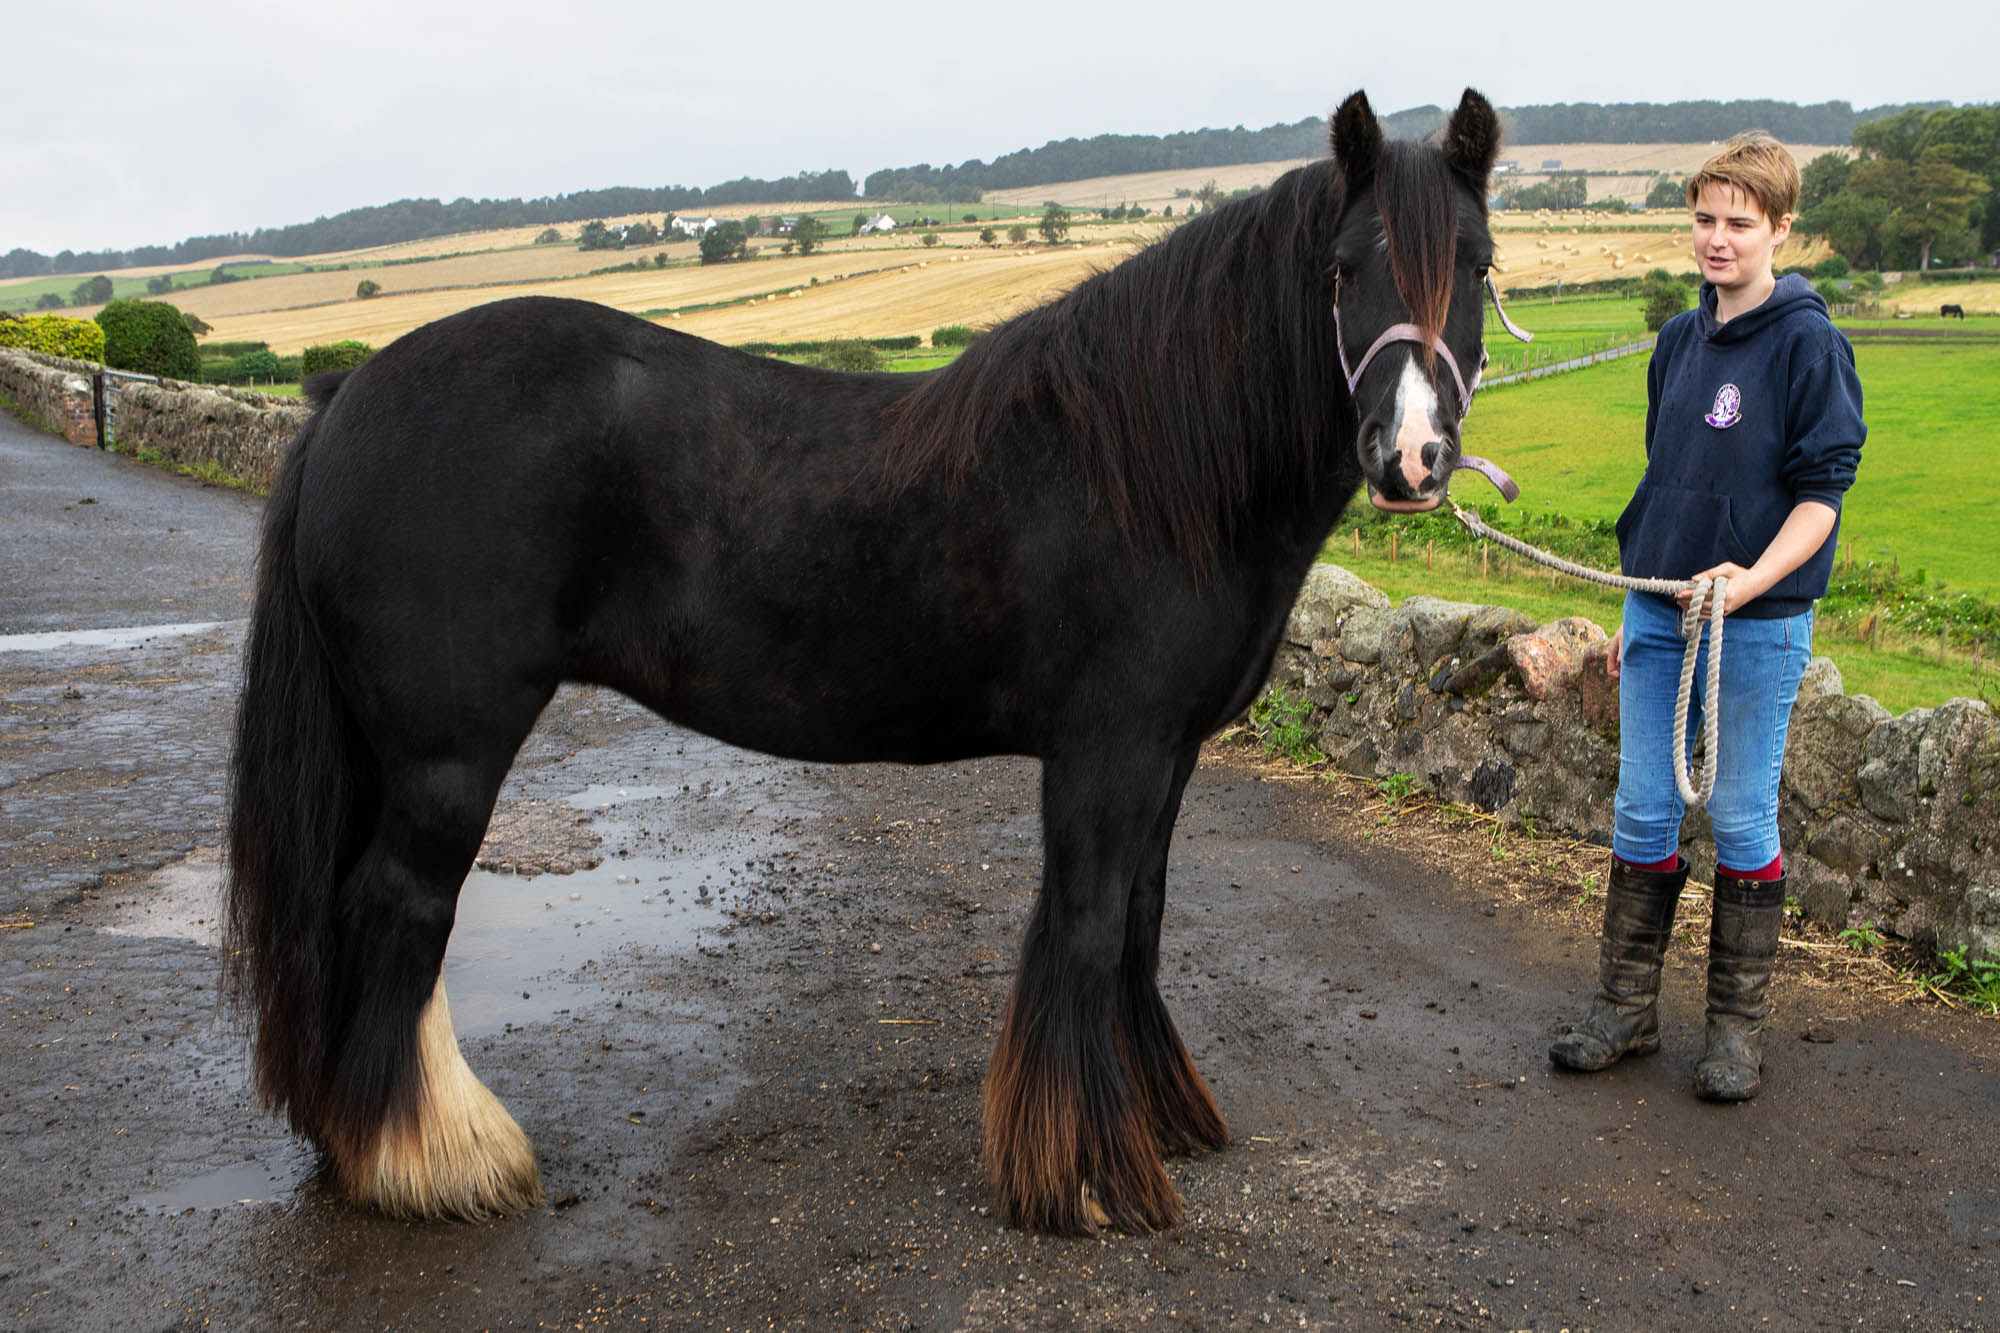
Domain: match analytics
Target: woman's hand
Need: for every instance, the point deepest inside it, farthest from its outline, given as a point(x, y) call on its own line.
point(1742, 588)
point(1617, 648)
point(1805, 529)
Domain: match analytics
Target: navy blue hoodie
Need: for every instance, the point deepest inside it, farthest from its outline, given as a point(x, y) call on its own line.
point(1743, 421)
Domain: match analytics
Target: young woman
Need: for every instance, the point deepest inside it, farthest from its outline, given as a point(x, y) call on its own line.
point(1753, 431)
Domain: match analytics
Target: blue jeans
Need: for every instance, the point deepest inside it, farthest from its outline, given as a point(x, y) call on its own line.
point(1762, 661)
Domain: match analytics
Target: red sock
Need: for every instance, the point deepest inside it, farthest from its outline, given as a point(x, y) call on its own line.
point(1667, 866)
point(1775, 870)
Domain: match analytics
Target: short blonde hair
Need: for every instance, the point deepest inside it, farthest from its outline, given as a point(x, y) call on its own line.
point(1757, 165)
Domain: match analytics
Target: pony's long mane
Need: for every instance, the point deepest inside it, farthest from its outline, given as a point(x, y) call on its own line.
point(1187, 382)
point(1416, 201)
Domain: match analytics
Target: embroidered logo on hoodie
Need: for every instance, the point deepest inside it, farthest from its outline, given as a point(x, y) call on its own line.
point(1728, 409)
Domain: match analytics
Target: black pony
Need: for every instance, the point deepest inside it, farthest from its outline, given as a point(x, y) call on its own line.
point(1079, 542)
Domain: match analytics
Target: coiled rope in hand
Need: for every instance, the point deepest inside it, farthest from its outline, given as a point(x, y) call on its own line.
point(1714, 591)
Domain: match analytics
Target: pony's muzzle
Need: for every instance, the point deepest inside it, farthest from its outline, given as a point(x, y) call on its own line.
point(1406, 472)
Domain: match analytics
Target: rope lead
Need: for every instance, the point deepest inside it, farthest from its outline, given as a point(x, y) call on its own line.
point(1714, 591)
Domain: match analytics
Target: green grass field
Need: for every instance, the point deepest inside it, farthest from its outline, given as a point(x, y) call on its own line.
point(1923, 498)
point(1563, 330)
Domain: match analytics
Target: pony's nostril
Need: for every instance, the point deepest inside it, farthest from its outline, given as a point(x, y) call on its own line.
point(1430, 453)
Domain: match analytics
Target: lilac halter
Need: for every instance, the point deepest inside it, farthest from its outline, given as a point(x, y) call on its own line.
point(1410, 333)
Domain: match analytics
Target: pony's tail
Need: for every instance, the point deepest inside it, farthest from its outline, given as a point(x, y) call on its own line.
point(302, 784)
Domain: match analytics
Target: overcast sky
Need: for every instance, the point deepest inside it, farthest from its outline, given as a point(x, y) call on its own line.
point(145, 123)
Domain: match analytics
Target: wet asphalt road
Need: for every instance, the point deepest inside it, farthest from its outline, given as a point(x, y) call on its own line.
point(747, 1035)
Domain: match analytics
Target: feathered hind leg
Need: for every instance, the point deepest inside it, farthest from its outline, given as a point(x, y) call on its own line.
point(410, 1129)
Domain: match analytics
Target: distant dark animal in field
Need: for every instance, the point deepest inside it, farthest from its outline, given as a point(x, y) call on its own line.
point(1952, 311)
point(1079, 542)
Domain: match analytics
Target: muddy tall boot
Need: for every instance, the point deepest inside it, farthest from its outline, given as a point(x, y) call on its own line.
point(1624, 1019)
point(1742, 943)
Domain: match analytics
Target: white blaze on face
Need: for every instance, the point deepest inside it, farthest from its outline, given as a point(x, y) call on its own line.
point(1416, 409)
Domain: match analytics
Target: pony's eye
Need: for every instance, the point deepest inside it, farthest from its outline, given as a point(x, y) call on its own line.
point(1479, 272)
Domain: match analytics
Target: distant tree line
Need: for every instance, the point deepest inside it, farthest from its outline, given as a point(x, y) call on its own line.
point(1102, 155)
point(1065, 159)
point(419, 219)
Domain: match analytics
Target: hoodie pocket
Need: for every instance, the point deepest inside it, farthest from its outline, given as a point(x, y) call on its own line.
point(1670, 533)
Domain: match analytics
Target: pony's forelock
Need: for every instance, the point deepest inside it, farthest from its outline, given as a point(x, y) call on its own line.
point(1414, 198)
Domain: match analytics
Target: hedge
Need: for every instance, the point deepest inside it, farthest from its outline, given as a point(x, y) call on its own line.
point(56, 335)
point(149, 337)
point(810, 348)
point(953, 335)
point(343, 355)
point(260, 365)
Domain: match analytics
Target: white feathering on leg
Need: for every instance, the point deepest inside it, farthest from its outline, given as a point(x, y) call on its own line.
point(460, 1155)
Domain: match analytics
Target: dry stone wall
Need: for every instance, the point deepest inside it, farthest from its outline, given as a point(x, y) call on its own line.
point(197, 425)
point(1889, 820)
point(53, 390)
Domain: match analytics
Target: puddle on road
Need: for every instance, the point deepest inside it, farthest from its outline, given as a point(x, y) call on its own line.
point(272, 1180)
point(522, 947)
point(131, 637)
point(519, 948)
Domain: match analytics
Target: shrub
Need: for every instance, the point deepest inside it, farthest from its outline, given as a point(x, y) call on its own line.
point(930, 238)
point(49, 301)
point(259, 365)
point(1054, 224)
point(723, 242)
point(548, 236)
point(149, 337)
point(952, 335)
point(56, 335)
point(159, 284)
point(1829, 291)
point(1017, 233)
point(92, 291)
point(1662, 297)
point(343, 355)
point(808, 234)
point(366, 288)
point(847, 354)
point(1833, 267)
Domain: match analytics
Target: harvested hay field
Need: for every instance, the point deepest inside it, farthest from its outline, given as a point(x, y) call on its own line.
point(978, 291)
point(291, 291)
point(1534, 250)
point(880, 292)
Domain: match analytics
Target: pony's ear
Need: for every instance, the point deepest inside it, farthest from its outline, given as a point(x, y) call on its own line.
point(1357, 139)
point(1472, 138)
